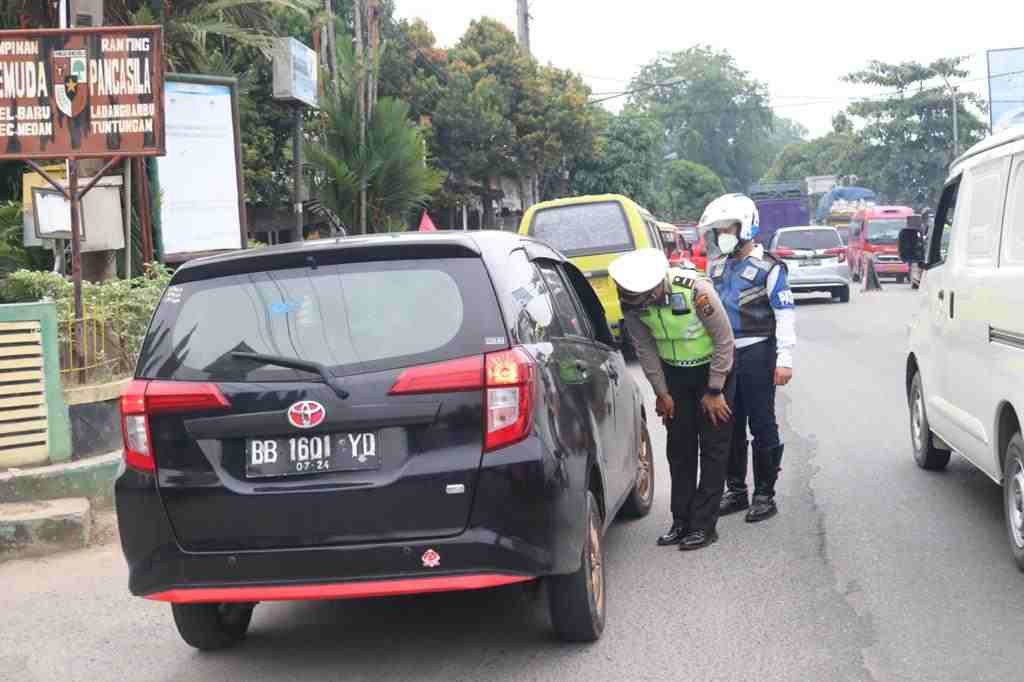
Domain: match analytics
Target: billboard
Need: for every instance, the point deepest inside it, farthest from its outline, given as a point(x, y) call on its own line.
point(81, 93)
point(202, 207)
point(1005, 84)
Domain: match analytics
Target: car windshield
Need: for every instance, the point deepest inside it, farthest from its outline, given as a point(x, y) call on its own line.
point(808, 240)
point(584, 229)
point(350, 317)
point(885, 231)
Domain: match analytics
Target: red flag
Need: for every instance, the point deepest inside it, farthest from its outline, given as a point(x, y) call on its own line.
point(426, 224)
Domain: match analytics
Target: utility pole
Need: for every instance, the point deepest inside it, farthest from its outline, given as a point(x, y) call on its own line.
point(523, 23)
point(956, 123)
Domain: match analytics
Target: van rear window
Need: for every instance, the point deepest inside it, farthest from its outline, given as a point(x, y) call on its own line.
point(352, 317)
point(584, 229)
point(809, 239)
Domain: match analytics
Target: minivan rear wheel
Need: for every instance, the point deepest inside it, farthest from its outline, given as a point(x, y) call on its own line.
point(210, 627)
point(926, 454)
point(641, 497)
point(1013, 496)
point(576, 601)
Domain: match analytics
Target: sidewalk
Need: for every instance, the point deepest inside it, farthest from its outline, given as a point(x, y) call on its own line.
point(53, 508)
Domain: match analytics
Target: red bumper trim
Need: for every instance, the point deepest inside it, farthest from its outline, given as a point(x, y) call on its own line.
point(354, 590)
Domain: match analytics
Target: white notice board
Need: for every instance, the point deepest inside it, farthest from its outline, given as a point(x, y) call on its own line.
point(199, 178)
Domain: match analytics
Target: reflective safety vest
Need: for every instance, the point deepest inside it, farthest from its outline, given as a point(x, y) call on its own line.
point(682, 340)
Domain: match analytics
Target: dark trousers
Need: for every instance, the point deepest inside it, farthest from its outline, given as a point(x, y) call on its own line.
point(692, 438)
point(755, 404)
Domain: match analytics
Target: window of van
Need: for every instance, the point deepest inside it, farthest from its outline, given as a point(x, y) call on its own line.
point(584, 229)
point(985, 203)
point(1013, 230)
point(885, 230)
point(942, 231)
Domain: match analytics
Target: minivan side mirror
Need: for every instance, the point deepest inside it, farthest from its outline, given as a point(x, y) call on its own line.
point(911, 245)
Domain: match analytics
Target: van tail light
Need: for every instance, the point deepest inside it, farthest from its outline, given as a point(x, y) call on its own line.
point(506, 378)
point(464, 374)
point(784, 253)
point(508, 397)
point(837, 252)
point(143, 399)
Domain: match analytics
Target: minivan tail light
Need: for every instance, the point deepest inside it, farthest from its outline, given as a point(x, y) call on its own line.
point(838, 252)
point(142, 399)
point(784, 253)
point(508, 397)
point(464, 374)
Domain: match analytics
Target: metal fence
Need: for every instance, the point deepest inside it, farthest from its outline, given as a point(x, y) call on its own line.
point(89, 352)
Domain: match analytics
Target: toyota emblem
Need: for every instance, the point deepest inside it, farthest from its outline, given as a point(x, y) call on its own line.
point(307, 414)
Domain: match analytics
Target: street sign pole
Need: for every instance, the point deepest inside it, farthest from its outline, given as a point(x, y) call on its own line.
point(76, 239)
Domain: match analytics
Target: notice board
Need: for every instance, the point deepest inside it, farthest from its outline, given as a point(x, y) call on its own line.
point(202, 208)
point(81, 92)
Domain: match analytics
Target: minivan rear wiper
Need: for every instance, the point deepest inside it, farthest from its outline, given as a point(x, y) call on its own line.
point(294, 363)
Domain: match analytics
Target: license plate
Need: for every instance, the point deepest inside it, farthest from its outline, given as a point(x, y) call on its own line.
point(301, 455)
point(809, 263)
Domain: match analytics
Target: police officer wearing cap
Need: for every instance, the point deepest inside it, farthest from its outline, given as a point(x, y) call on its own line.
point(754, 289)
point(685, 345)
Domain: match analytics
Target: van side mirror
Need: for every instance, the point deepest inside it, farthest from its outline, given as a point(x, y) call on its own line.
point(911, 245)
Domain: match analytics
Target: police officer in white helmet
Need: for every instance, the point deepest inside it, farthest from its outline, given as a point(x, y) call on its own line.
point(754, 290)
point(685, 345)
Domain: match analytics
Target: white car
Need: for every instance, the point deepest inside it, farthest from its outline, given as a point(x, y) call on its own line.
point(965, 366)
point(816, 260)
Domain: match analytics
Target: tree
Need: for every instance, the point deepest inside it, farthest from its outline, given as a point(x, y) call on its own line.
point(690, 187)
point(840, 152)
point(908, 135)
point(712, 111)
point(627, 158)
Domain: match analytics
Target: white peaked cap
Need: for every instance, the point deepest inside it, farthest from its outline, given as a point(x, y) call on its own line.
point(639, 271)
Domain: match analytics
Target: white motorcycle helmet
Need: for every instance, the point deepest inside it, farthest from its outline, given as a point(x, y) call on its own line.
point(729, 209)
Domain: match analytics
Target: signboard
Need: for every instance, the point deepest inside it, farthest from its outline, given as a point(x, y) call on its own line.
point(101, 221)
point(28, 182)
point(820, 184)
point(1005, 85)
point(80, 93)
point(295, 72)
point(201, 197)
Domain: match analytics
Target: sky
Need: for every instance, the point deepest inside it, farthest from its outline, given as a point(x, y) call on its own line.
point(800, 49)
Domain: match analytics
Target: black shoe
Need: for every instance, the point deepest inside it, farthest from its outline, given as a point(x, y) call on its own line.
point(673, 536)
point(762, 509)
point(698, 539)
point(733, 501)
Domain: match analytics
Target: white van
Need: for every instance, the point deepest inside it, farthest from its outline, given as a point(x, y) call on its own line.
point(965, 366)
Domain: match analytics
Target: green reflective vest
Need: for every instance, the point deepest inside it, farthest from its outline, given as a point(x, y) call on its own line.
point(682, 339)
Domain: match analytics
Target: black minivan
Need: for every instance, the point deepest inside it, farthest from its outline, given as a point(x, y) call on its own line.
point(377, 416)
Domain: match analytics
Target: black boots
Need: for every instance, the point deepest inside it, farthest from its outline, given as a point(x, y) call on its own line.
point(733, 501)
point(698, 539)
point(673, 536)
point(767, 464)
point(762, 509)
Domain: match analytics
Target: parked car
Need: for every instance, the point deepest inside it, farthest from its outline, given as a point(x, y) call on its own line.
point(593, 231)
point(874, 234)
point(377, 416)
point(964, 377)
point(816, 260)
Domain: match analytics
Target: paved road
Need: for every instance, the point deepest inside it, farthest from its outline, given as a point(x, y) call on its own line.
point(873, 570)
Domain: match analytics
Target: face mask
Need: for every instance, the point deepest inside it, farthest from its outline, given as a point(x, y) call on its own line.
point(728, 242)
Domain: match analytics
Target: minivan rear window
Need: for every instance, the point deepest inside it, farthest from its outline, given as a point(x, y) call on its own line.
point(352, 317)
point(584, 229)
point(809, 239)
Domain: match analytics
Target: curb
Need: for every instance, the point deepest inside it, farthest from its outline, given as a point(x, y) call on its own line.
point(32, 529)
point(91, 478)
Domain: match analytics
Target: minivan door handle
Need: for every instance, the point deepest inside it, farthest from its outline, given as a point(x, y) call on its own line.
point(942, 295)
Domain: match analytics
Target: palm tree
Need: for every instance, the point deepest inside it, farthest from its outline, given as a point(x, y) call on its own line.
point(392, 162)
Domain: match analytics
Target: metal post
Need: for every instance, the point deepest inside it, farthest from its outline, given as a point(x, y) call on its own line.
point(126, 198)
point(76, 237)
point(465, 217)
point(956, 125)
point(297, 178)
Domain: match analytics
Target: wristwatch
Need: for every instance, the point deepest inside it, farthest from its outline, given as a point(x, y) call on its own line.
point(713, 392)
